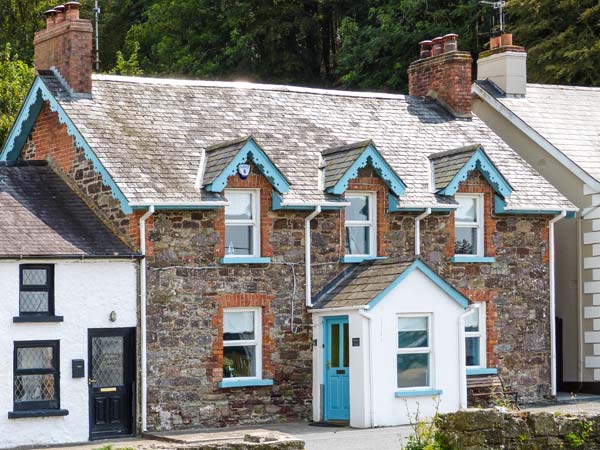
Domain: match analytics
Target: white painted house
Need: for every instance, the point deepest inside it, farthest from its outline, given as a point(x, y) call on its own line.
point(390, 343)
point(68, 315)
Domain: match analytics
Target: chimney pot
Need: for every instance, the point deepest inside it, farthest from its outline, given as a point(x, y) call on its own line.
point(450, 42)
point(495, 42)
point(506, 39)
point(425, 49)
point(73, 10)
point(438, 46)
point(60, 13)
point(50, 15)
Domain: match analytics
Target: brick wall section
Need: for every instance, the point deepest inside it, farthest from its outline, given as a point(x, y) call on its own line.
point(446, 77)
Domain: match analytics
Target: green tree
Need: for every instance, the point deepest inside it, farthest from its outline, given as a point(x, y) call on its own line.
point(129, 66)
point(15, 79)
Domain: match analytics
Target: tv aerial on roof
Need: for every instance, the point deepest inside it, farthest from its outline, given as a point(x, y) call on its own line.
point(497, 5)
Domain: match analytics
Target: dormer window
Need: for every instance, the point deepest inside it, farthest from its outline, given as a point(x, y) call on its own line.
point(361, 226)
point(469, 232)
point(242, 223)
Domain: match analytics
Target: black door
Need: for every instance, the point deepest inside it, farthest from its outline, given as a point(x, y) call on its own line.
point(111, 378)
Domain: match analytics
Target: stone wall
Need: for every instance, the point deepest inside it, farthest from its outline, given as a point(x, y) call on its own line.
point(500, 429)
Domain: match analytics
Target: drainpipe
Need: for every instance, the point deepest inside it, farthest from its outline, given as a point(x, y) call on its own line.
point(418, 230)
point(144, 363)
point(310, 217)
point(580, 359)
point(462, 356)
point(369, 347)
point(555, 219)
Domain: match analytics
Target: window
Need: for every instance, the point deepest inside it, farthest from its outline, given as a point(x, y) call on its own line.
point(36, 375)
point(36, 290)
point(413, 359)
point(475, 337)
point(361, 238)
point(242, 351)
point(242, 235)
point(469, 225)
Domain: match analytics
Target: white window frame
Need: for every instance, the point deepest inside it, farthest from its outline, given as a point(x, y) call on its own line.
point(257, 341)
point(255, 223)
point(371, 223)
point(482, 335)
point(478, 225)
point(416, 350)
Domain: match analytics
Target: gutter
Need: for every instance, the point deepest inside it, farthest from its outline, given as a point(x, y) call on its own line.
point(143, 298)
point(418, 230)
point(71, 257)
point(462, 356)
point(308, 289)
point(340, 309)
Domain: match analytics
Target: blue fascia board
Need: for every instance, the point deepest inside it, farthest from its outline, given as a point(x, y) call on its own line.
point(241, 382)
point(251, 151)
point(472, 259)
point(490, 172)
point(177, 207)
point(481, 371)
point(418, 393)
point(394, 206)
point(358, 259)
point(439, 281)
point(38, 94)
point(245, 260)
point(277, 205)
point(500, 208)
point(370, 156)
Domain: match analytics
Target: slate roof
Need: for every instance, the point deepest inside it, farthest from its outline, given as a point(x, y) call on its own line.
point(218, 156)
point(41, 216)
point(337, 160)
point(446, 165)
point(568, 117)
point(151, 134)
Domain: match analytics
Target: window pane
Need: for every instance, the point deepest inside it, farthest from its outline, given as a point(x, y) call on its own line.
point(346, 344)
point(34, 388)
point(467, 209)
point(357, 241)
point(239, 361)
point(473, 356)
point(413, 332)
point(465, 241)
point(334, 358)
point(35, 301)
point(472, 322)
point(238, 240)
point(238, 325)
point(240, 205)
point(358, 209)
point(34, 358)
point(413, 370)
point(107, 360)
point(35, 277)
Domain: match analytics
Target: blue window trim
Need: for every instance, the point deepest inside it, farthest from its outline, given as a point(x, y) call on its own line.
point(245, 260)
point(394, 206)
point(241, 382)
point(358, 259)
point(472, 259)
point(277, 205)
point(481, 371)
point(38, 94)
point(500, 208)
point(370, 155)
point(251, 151)
point(480, 161)
point(429, 273)
point(418, 393)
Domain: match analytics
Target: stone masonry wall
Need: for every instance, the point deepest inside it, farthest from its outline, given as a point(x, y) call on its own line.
point(188, 287)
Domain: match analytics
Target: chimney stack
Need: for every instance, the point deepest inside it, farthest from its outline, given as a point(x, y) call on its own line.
point(66, 45)
point(443, 73)
point(505, 65)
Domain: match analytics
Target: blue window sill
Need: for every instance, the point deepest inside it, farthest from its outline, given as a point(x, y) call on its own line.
point(472, 259)
point(359, 259)
point(481, 371)
point(419, 393)
point(233, 383)
point(245, 260)
point(25, 414)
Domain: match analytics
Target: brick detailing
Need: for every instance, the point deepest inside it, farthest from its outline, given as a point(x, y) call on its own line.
point(66, 44)
point(445, 77)
point(214, 368)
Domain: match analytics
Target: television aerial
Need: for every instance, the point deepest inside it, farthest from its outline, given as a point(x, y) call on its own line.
point(499, 6)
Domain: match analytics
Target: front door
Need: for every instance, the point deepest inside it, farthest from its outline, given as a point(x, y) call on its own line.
point(337, 363)
point(111, 378)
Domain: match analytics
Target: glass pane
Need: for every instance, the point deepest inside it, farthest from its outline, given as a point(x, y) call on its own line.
point(413, 370)
point(35, 301)
point(238, 239)
point(35, 277)
point(472, 322)
point(34, 358)
point(346, 347)
point(473, 356)
point(413, 332)
point(465, 242)
point(239, 361)
point(240, 205)
point(357, 241)
point(34, 388)
point(334, 357)
point(467, 209)
point(107, 360)
point(238, 325)
point(358, 209)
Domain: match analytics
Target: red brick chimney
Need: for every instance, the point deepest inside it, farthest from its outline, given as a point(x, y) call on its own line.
point(66, 44)
point(443, 73)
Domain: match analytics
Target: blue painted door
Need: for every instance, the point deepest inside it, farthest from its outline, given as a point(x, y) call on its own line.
point(337, 363)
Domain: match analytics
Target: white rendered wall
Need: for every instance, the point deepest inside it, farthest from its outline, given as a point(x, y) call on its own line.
point(85, 294)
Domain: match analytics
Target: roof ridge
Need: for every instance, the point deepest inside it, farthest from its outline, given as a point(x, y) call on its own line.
point(456, 151)
point(346, 147)
point(224, 144)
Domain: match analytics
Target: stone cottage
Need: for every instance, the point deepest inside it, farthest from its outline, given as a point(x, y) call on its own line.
point(281, 224)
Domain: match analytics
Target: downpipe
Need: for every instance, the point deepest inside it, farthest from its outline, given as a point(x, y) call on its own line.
point(418, 230)
point(308, 275)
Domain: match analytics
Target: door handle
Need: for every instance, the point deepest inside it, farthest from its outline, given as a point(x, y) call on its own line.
point(90, 381)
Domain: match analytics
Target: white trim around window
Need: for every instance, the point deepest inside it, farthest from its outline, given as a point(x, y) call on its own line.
point(245, 354)
point(474, 245)
point(251, 248)
point(410, 353)
point(370, 224)
point(476, 338)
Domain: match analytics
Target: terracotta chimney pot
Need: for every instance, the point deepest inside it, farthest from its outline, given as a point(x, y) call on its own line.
point(73, 10)
point(425, 49)
point(60, 13)
point(50, 17)
point(506, 40)
point(495, 42)
point(450, 42)
point(438, 46)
